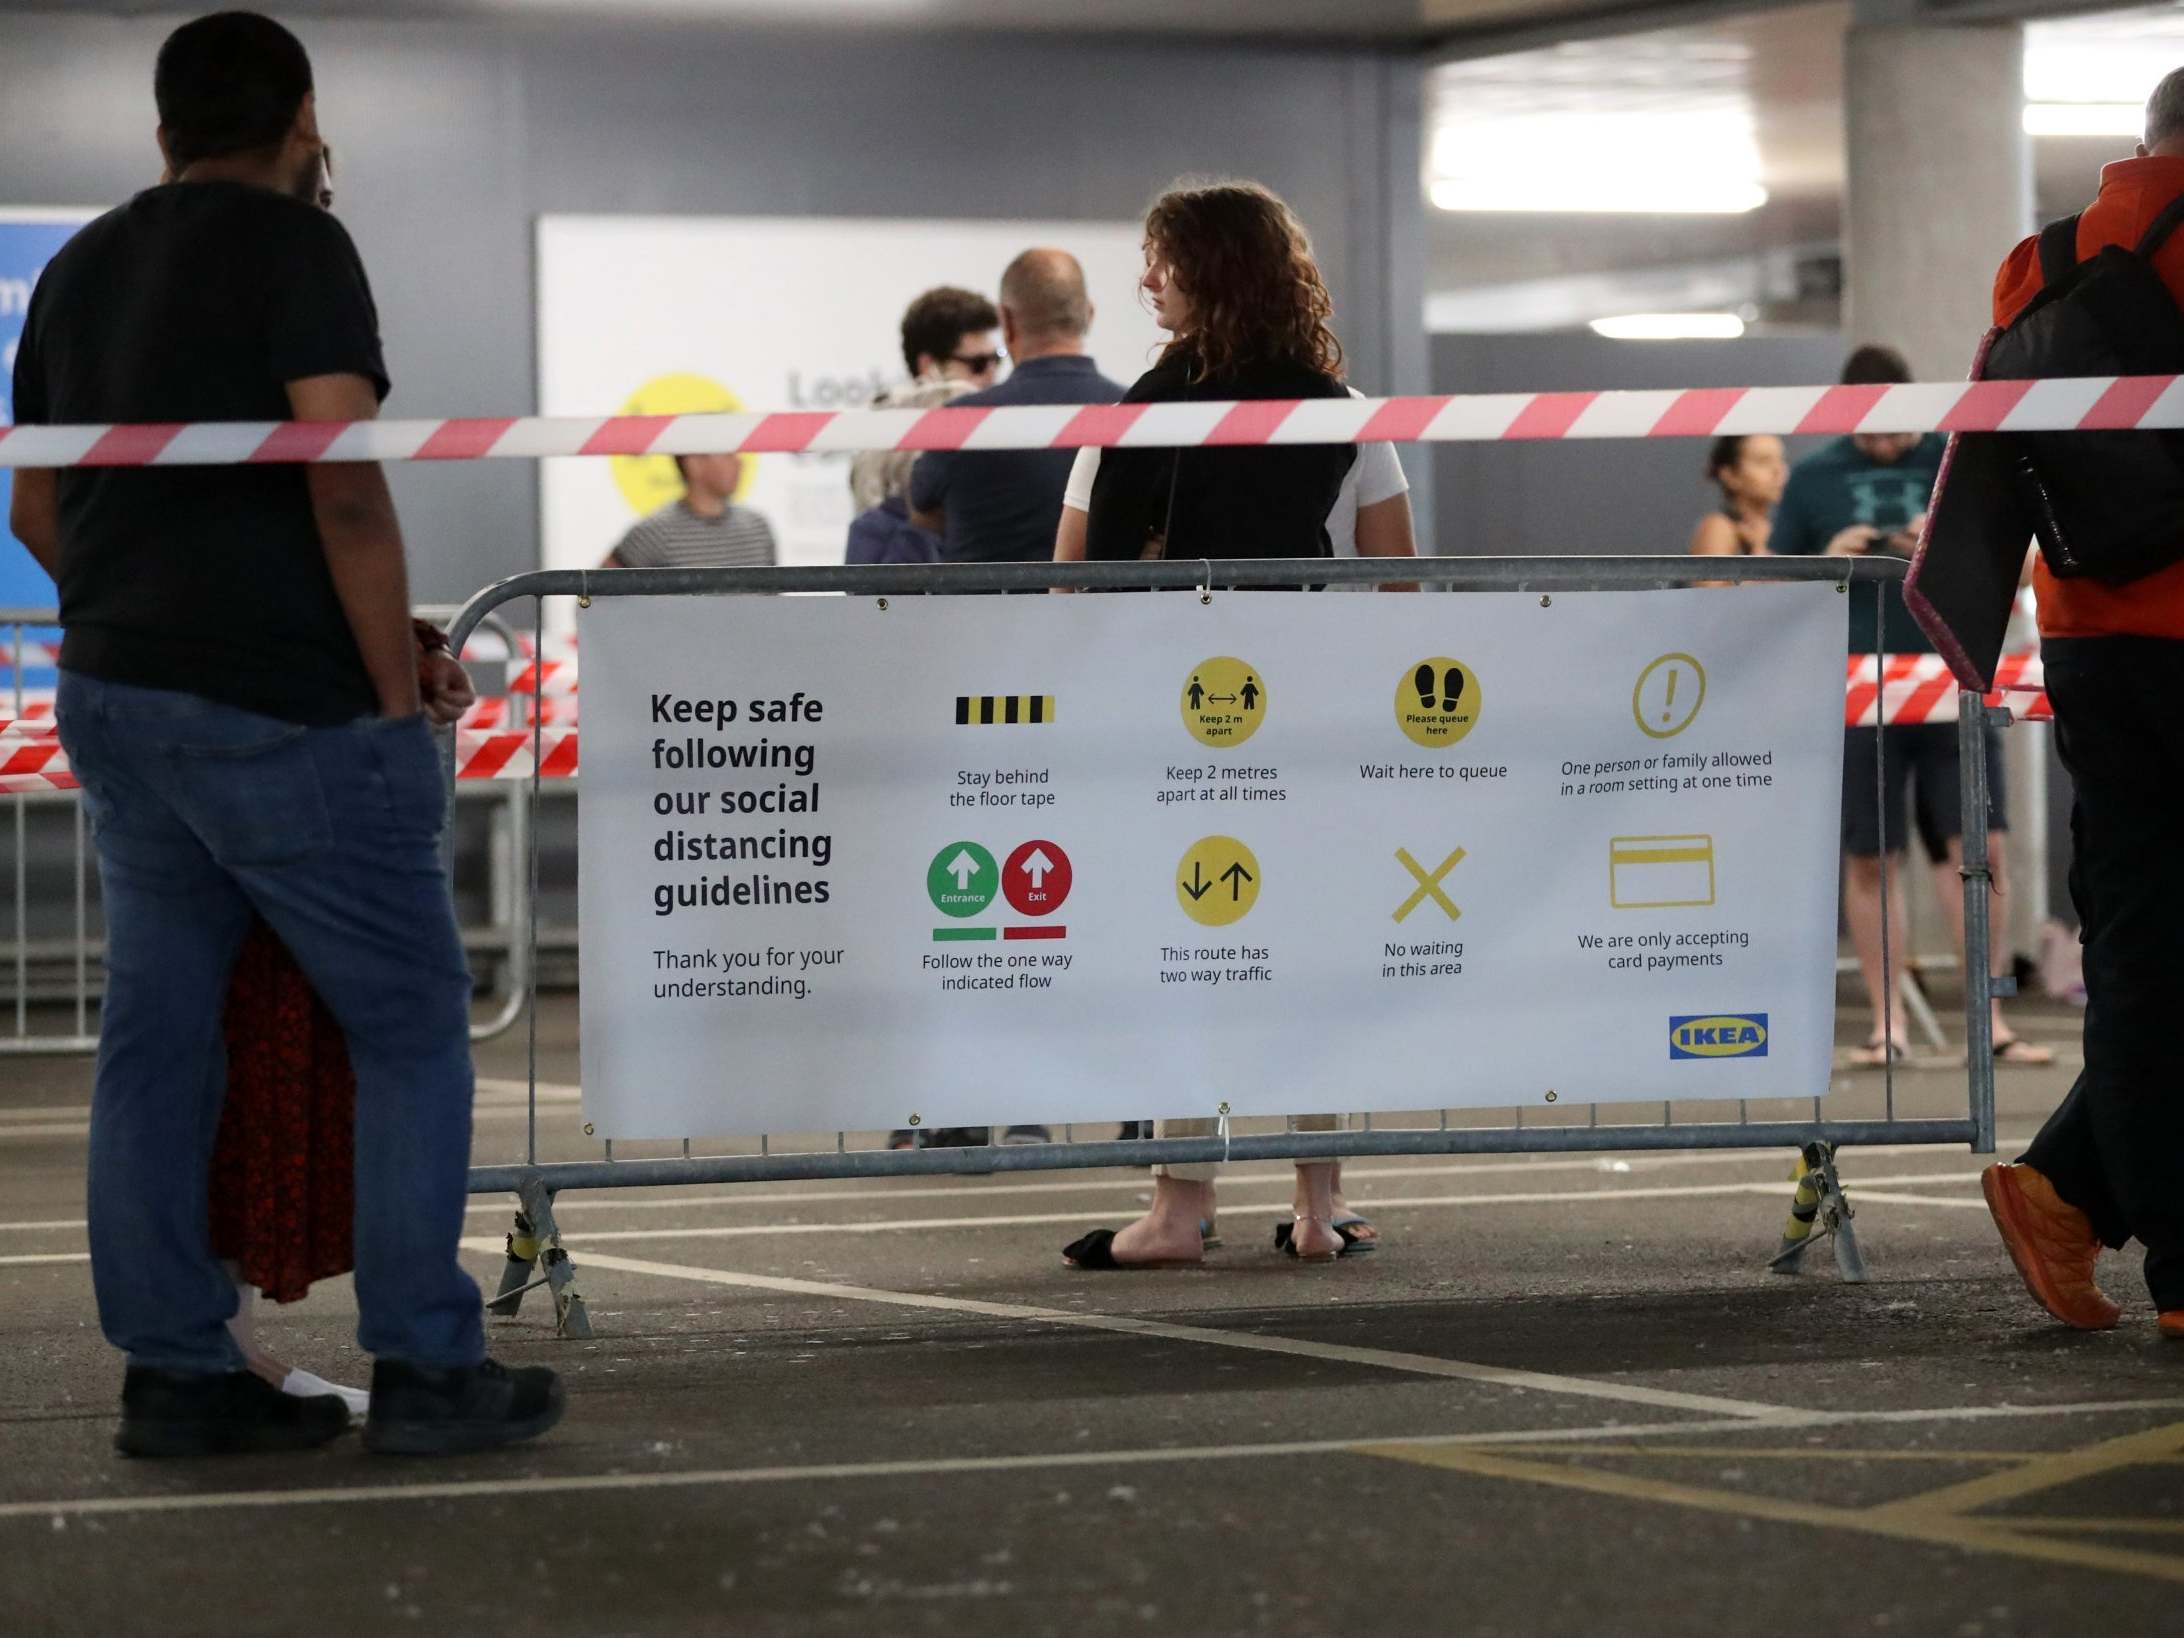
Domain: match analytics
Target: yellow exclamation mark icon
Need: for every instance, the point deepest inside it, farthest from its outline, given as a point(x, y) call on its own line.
point(1680, 705)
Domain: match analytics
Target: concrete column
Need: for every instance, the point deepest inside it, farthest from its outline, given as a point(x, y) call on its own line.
point(1940, 183)
point(1389, 352)
point(1940, 189)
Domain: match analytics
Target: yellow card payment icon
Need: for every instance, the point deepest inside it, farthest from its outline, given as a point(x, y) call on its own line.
point(1660, 872)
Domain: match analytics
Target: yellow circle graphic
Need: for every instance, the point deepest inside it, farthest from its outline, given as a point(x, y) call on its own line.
point(1668, 696)
point(1218, 881)
point(1224, 701)
point(649, 482)
point(1437, 702)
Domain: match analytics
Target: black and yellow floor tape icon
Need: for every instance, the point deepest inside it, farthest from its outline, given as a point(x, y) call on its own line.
point(1003, 710)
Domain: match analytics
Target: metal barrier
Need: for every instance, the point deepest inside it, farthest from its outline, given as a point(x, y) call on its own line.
point(536, 1256)
point(57, 971)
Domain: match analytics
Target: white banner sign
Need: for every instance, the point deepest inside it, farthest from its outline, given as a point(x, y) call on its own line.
point(665, 314)
point(1042, 859)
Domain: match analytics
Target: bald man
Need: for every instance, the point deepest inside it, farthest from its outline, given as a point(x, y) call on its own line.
point(1002, 506)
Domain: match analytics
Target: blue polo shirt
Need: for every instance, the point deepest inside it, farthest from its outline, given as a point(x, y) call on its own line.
point(1003, 505)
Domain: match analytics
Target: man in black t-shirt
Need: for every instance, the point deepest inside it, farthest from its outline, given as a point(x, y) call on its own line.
point(240, 699)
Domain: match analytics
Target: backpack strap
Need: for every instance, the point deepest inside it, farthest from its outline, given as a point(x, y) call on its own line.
point(2163, 225)
point(2058, 250)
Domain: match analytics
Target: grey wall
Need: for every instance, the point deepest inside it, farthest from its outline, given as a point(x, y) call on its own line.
point(1611, 496)
point(452, 138)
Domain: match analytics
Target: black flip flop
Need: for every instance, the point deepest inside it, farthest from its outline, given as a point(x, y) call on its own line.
point(1354, 1244)
point(1096, 1252)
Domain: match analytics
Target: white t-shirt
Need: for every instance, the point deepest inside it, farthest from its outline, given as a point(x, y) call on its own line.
point(1375, 476)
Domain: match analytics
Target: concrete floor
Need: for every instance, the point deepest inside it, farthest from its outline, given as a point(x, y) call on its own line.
point(1565, 1399)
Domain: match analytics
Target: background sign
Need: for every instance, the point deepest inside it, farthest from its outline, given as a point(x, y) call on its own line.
point(660, 314)
point(1434, 852)
point(28, 239)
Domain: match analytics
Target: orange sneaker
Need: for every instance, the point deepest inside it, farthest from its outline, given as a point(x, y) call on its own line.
point(2172, 1323)
point(2053, 1245)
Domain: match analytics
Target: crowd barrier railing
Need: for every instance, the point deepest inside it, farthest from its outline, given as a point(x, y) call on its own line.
point(537, 1256)
point(52, 939)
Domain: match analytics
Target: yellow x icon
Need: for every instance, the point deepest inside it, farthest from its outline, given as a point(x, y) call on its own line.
point(1429, 887)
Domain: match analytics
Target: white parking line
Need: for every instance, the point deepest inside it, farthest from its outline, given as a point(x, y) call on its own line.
point(1629, 1393)
point(533, 1486)
point(1860, 1196)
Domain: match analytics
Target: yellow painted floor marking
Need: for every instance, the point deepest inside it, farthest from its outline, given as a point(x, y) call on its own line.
point(1932, 1529)
point(1814, 1453)
point(2157, 1527)
point(2064, 1467)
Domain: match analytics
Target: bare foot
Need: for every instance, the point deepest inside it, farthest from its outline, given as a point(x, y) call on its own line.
point(1314, 1239)
point(1154, 1238)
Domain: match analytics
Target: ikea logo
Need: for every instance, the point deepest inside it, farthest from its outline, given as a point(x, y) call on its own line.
point(1720, 1036)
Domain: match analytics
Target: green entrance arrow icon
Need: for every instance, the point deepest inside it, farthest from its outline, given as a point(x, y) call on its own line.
point(962, 879)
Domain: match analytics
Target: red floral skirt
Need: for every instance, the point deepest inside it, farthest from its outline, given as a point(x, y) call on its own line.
point(284, 1168)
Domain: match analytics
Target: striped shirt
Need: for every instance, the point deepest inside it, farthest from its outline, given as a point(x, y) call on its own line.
point(675, 537)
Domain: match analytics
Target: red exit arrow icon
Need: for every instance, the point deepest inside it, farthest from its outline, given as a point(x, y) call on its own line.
point(1036, 879)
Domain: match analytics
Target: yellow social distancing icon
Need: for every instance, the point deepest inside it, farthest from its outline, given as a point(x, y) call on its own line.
point(1437, 702)
point(1660, 872)
point(1217, 881)
point(1224, 701)
point(1429, 883)
point(1668, 696)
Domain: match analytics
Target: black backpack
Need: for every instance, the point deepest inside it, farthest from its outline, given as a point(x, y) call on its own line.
point(2104, 506)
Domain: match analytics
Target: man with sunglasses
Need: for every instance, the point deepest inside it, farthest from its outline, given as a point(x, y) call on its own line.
point(949, 348)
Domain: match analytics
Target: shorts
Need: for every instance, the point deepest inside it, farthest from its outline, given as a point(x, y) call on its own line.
point(1922, 757)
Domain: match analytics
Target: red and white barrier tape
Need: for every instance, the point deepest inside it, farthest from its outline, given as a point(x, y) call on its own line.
point(1917, 689)
point(31, 758)
point(547, 677)
point(2087, 403)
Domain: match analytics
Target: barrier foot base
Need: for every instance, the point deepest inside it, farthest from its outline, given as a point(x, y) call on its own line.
point(1819, 1211)
point(518, 1273)
point(557, 1270)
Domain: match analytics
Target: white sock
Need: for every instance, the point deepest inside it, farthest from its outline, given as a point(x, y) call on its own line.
point(304, 1385)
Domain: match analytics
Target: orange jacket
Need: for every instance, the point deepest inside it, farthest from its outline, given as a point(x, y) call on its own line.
point(2133, 192)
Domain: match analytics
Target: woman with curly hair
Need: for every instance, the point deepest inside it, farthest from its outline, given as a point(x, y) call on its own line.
point(1230, 275)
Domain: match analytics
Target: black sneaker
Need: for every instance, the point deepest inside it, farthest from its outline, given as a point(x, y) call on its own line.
point(421, 1412)
point(224, 1413)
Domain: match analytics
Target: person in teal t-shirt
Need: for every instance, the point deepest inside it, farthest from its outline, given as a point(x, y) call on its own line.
point(1863, 496)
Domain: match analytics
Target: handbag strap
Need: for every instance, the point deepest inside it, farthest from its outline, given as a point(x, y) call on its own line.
point(1167, 522)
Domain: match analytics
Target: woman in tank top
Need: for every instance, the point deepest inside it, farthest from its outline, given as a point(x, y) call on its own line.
point(1750, 473)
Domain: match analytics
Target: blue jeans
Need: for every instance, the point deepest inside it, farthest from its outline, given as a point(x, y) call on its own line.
point(202, 814)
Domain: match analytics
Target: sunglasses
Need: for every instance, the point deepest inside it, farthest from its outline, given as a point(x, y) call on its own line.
point(977, 363)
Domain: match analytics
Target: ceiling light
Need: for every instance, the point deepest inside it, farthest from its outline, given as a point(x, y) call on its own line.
point(1670, 327)
point(2084, 119)
point(1696, 160)
point(1583, 196)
